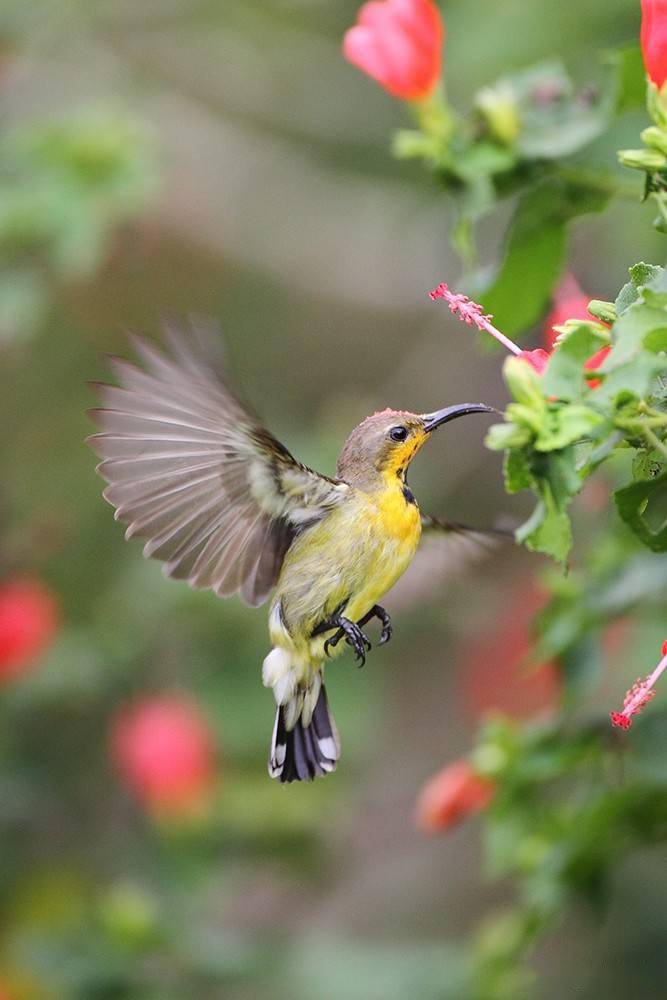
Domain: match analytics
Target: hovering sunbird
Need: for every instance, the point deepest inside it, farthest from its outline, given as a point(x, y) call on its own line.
point(226, 507)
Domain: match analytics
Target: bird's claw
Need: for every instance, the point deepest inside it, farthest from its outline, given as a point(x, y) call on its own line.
point(387, 631)
point(353, 636)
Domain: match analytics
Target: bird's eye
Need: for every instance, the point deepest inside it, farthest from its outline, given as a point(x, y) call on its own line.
point(398, 433)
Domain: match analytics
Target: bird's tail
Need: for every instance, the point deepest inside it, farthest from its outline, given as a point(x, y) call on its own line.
point(306, 749)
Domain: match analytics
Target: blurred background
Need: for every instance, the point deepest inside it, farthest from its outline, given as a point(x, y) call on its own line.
point(221, 158)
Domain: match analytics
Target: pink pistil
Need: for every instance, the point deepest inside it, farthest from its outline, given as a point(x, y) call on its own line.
point(639, 695)
point(471, 313)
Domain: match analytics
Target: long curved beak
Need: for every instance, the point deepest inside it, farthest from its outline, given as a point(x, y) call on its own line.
point(433, 420)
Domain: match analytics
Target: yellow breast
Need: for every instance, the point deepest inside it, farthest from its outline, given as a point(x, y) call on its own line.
point(396, 528)
point(399, 518)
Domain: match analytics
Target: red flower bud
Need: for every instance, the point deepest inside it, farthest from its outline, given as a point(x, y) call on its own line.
point(569, 302)
point(163, 750)
point(454, 793)
point(654, 39)
point(538, 358)
point(594, 362)
point(399, 44)
point(28, 623)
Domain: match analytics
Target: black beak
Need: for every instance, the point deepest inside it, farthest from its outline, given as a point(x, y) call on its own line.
point(433, 420)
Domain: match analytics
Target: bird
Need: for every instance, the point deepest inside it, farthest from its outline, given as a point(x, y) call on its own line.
point(225, 506)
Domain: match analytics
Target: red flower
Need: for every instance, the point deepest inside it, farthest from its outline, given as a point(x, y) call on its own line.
point(654, 39)
point(594, 362)
point(569, 302)
point(498, 670)
point(28, 623)
point(454, 793)
point(399, 44)
point(538, 358)
point(163, 750)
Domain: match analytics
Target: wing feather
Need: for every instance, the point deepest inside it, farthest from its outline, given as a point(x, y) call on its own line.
point(189, 469)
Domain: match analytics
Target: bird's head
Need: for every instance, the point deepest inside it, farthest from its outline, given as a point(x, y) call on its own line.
point(384, 444)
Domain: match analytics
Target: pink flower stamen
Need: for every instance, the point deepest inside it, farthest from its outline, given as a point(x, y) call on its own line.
point(639, 695)
point(471, 313)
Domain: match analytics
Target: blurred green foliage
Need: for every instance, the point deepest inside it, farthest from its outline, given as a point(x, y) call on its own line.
point(222, 158)
point(65, 186)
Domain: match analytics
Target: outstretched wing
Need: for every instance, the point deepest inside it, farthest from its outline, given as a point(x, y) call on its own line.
point(446, 551)
point(191, 470)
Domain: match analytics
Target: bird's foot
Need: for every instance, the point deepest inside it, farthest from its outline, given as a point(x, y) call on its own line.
point(353, 636)
point(387, 628)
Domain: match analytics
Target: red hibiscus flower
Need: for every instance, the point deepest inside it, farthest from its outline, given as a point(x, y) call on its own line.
point(451, 795)
point(654, 40)
point(569, 302)
point(28, 623)
point(399, 44)
point(594, 362)
point(163, 750)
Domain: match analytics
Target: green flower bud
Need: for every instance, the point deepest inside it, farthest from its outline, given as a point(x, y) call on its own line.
point(604, 311)
point(410, 144)
point(523, 382)
point(642, 159)
point(656, 138)
point(498, 107)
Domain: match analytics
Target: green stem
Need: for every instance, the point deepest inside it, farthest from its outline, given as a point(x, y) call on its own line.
point(597, 181)
point(435, 116)
point(659, 199)
point(655, 441)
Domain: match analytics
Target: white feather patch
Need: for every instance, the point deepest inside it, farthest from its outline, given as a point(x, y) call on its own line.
point(284, 689)
point(276, 665)
point(328, 747)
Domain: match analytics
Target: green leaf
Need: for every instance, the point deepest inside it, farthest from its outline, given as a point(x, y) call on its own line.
point(556, 481)
point(559, 470)
point(634, 502)
point(634, 362)
point(559, 126)
point(564, 376)
point(566, 425)
point(518, 475)
point(547, 530)
point(647, 464)
point(509, 435)
point(535, 253)
point(640, 274)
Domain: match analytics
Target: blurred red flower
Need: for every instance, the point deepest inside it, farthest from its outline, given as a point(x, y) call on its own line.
point(539, 359)
point(594, 362)
point(569, 302)
point(399, 44)
point(28, 622)
point(454, 793)
point(163, 750)
point(495, 669)
point(654, 39)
